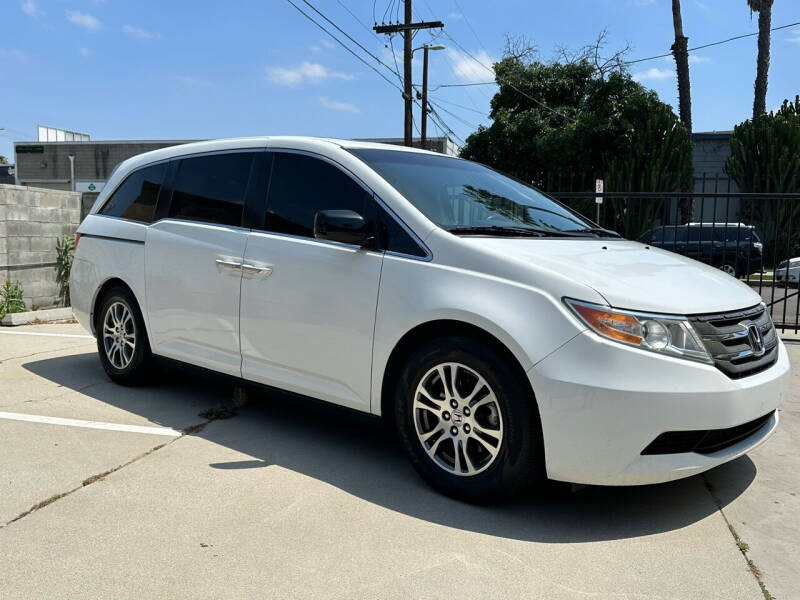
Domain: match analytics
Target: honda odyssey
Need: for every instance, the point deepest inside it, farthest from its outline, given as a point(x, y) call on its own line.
point(506, 337)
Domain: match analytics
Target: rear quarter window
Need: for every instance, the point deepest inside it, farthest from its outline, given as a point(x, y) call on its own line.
point(135, 198)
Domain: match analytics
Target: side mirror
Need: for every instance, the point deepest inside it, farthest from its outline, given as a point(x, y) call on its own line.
point(344, 226)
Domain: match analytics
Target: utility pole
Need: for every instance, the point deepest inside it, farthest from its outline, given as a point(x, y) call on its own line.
point(407, 28)
point(408, 35)
point(424, 124)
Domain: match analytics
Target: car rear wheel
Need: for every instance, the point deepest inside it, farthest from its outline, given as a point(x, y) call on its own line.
point(729, 269)
point(466, 420)
point(121, 338)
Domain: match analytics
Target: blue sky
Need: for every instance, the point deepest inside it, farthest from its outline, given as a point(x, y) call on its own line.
point(179, 69)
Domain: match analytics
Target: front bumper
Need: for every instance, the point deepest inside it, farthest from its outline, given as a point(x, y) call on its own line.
point(601, 403)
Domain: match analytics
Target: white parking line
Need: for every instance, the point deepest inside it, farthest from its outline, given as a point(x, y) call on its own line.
point(66, 335)
point(90, 424)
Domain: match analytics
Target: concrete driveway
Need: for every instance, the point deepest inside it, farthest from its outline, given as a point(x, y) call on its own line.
point(136, 496)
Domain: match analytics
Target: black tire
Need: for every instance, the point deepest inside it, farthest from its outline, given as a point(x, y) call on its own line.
point(519, 452)
point(137, 370)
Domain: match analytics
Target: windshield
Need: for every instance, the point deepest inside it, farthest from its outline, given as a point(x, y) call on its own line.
point(461, 195)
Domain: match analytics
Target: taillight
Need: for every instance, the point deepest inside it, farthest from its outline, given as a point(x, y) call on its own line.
point(77, 239)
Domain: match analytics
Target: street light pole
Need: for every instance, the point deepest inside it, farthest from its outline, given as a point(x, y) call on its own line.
point(424, 125)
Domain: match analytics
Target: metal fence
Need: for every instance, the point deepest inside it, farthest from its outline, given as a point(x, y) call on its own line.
point(754, 237)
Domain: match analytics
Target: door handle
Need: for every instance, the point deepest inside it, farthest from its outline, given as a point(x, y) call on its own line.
point(228, 264)
point(255, 270)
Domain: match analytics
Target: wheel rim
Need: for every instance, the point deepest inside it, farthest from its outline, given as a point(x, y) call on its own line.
point(728, 269)
point(457, 419)
point(119, 335)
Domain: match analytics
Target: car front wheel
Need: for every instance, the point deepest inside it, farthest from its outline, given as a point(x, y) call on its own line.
point(466, 420)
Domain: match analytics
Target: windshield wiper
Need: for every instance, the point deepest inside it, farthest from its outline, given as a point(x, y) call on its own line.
point(511, 231)
point(595, 230)
point(496, 230)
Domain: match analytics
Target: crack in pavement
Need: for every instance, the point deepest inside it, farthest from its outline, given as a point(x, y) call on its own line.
point(56, 396)
point(100, 476)
point(5, 360)
point(740, 544)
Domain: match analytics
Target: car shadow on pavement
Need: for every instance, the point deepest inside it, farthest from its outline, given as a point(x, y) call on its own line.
point(355, 453)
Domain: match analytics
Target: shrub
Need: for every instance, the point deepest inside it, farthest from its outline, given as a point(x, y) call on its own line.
point(11, 298)
point(65, 250)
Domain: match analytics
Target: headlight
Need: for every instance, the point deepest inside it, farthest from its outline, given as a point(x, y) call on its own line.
point(670, 335)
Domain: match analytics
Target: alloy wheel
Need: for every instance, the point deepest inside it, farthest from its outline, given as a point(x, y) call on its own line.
point(457, 419)
point(119, 335)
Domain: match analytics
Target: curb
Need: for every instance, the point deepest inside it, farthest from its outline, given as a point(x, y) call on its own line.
point(49, 315)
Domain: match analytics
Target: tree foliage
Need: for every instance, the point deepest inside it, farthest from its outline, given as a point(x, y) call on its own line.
point(765, 158)
point(765, 151)
point(575, 120)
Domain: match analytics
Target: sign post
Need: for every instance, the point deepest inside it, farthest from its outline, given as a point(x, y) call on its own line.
point(598, 189)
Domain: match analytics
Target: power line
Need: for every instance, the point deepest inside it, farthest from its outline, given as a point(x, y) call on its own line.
point(352, 14)
point(466, 20)
point(343, 45)
point(508, 83)
point(351, 51)
point(453, 85)
point(475, 110)
point(452, 114)
point(731, 39)
point(347, 35)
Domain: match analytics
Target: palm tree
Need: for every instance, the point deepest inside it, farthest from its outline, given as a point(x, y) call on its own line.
point(681, 53)
point(764, 10)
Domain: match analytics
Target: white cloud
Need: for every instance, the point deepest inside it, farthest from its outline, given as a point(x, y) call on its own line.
point(138, 33)
point(795, 39)
point(30, 8)
point(304, 73)
point(84, 51)
point(643, 2)
point(11, 54)
point(654, 74)
point(467, 69)
point(83, 19)
point(195, 82)
point(338, 106)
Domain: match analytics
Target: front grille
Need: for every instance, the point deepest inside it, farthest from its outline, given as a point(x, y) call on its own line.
point(704, 441)
point(729, 339)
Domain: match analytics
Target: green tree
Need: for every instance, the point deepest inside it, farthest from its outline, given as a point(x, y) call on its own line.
point(561, 124)
point(765, 158)
point(764, 10)
point(3, 160)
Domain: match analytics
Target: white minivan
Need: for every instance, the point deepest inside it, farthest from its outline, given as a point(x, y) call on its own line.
point(507, 337)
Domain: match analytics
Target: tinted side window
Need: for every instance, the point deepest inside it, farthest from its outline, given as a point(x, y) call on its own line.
point(136, 198)
point(394, 238)
point(301, 186)
point(211, 188)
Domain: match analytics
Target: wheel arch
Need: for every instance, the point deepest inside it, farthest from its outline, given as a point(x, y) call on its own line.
point(101, 292)
point(444, 328)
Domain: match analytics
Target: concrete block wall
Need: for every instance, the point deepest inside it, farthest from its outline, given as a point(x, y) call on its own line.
point(31, 221)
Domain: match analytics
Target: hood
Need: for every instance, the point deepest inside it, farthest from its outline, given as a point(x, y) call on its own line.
point(630, 275)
